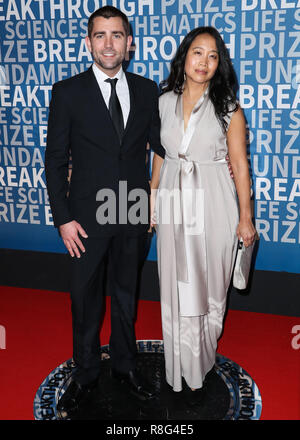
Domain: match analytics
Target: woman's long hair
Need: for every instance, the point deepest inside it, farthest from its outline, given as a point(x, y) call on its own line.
point(223, 86)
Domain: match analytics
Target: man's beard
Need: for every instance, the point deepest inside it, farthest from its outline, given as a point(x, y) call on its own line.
point(108, 64)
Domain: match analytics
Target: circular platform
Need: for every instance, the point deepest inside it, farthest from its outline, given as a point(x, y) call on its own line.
point(229, 393)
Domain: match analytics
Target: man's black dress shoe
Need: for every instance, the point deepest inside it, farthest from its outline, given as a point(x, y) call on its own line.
point(136, 384)
point(73, 396)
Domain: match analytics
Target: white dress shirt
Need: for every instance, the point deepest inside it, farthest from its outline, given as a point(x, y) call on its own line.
point(121, 89)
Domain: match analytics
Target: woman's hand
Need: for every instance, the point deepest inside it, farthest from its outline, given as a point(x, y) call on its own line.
point(246, 231)
point(229, 166)
point(156, 166)
point(152, 209)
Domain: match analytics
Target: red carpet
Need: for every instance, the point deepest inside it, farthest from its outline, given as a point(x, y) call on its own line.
point(39, 338)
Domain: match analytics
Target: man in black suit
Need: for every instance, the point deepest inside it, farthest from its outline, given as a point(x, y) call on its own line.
point(104, 126)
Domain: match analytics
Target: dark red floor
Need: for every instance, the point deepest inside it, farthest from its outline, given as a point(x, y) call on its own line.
point(39, 338)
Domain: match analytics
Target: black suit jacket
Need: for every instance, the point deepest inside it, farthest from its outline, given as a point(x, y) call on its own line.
point(80, 125)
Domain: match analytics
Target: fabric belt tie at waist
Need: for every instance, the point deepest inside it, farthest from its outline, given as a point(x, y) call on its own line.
point(188, 176)
point(186, 158)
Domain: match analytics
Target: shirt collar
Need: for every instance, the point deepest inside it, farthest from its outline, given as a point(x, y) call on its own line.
point(101, 76)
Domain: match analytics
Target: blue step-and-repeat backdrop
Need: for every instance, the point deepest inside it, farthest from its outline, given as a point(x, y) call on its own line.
point(42, 41)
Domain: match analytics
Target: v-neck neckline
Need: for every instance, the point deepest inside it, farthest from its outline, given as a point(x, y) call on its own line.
point(188, 133)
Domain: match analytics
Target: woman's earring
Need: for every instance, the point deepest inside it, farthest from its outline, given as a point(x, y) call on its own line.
point(184, 76)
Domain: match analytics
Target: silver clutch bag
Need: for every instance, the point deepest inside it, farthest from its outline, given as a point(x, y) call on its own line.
point(242, 265)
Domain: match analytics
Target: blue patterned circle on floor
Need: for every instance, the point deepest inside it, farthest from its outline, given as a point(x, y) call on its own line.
point(244, 397)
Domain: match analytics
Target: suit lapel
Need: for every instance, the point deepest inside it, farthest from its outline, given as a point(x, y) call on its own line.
point(133, 97)
point(95, 94)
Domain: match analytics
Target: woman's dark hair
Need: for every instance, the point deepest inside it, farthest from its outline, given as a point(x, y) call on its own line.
point(108, 12)
point(223, 85)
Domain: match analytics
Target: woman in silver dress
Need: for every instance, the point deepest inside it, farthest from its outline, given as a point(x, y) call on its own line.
point(198, 210)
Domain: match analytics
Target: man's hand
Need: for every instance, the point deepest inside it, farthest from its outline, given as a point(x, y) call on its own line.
point(69, 234)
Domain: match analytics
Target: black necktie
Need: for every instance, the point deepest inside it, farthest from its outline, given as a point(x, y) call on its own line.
point(115, 108)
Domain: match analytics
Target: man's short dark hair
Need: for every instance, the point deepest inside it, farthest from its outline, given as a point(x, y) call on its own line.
point(108, 12)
